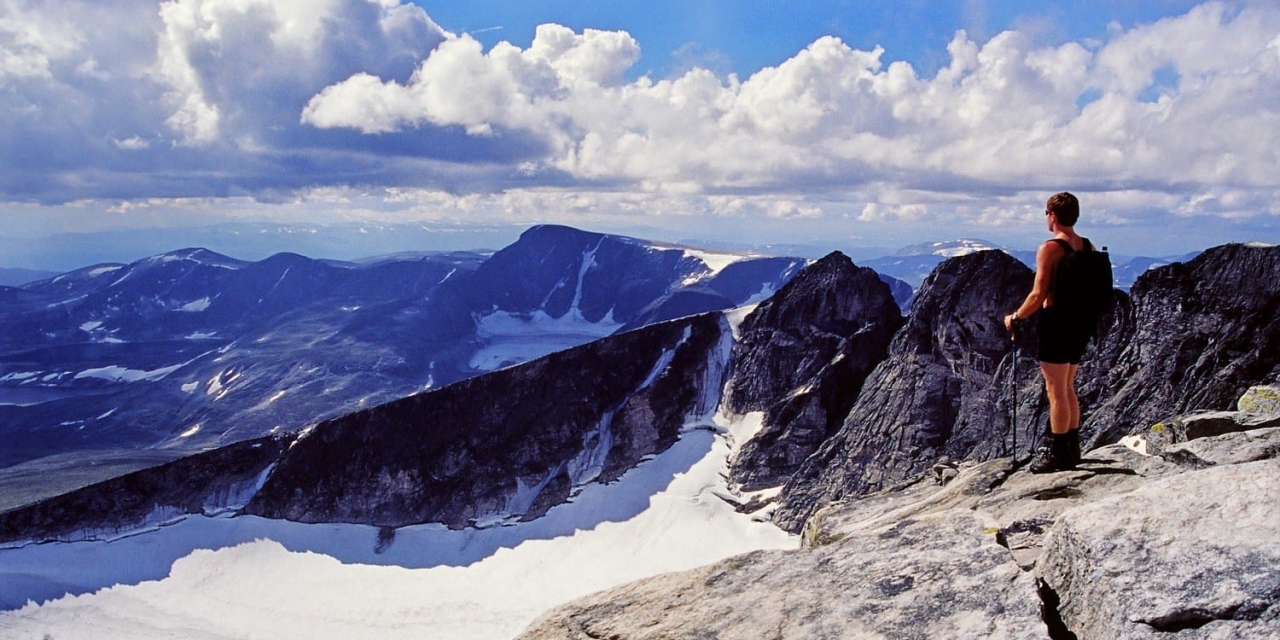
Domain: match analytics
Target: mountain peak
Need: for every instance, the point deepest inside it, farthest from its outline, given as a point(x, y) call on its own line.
point(947, 248)
point(195, 254)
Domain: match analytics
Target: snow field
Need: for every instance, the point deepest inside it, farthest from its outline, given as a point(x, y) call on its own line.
point(220, 578)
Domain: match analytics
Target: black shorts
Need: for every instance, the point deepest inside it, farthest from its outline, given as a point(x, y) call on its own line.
point(1062, 339)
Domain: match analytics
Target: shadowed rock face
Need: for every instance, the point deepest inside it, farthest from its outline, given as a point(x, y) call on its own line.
point(224, 478)
point(506, 445)
point(1190, 336)
point(802, 357)
point(935, 395)
point(1193, 337)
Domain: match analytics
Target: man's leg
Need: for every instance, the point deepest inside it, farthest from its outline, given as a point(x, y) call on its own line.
point(1073, 400)
point(1064, 406)
point(1064, 413)
point(1073, 435)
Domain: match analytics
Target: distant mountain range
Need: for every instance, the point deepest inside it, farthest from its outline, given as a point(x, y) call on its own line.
point(913, 263)
point(13, 277)
point(192, 349)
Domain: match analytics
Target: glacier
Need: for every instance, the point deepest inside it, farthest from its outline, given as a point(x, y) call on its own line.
point(216, 576)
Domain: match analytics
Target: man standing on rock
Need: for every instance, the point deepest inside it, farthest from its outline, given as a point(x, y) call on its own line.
point(1062, 337)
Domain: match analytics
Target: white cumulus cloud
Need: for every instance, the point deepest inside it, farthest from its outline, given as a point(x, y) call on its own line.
point(1004, 112)
point(207, 99)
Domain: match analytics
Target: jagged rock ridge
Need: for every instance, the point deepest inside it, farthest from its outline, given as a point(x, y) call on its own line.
point(1194, 337)
point(937, 393)
point(499, 447)
point(191, 349)
point(801, 357)
point(508, 445)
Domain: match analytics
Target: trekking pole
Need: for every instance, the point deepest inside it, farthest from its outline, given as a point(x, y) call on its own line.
point(1013, 392)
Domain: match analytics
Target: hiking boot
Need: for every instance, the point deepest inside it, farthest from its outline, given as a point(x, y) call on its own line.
point(1052, 455)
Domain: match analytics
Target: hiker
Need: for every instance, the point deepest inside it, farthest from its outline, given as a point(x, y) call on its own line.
point(1064, 331)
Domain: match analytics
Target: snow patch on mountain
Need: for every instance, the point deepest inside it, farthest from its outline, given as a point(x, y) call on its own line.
point(507, 338)
point(93, 273)
point(116, 373)
point(947, 249)
point(196, 305)
point(714, 263)
point(220, 385)
point(222, 577)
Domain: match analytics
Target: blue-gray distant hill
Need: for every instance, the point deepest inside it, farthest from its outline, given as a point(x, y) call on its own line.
point(912, 264)
point(192, 349)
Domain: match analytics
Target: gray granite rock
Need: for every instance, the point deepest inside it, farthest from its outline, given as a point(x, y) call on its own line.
point(1138, 544)
point(940, 576)
point(1196, 555)
point(1231, 448)
point(1161, 436)
point(1264, 399)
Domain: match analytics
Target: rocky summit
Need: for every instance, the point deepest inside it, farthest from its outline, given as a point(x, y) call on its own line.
point(801, 358)
point(938, 393)
point(1129, 546)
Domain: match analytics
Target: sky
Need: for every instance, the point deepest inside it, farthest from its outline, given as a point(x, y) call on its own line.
point(834, 124)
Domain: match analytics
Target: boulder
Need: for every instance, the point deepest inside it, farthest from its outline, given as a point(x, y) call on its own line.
point(1161, 437)
point(1263, 399)
point(1194, 555)
point(1231, 448)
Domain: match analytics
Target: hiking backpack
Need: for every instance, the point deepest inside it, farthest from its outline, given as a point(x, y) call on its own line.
point(1082, 284)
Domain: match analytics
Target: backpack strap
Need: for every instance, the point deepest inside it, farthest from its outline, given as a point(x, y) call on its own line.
point(1066, 246)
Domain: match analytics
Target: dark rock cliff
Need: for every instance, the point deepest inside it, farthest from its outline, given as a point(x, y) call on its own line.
point(224, 478)
point(1193, 337)
point(503, 446)
point(1188, 337)
point(802, 357)
point(937, 394)
point(507, 445)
